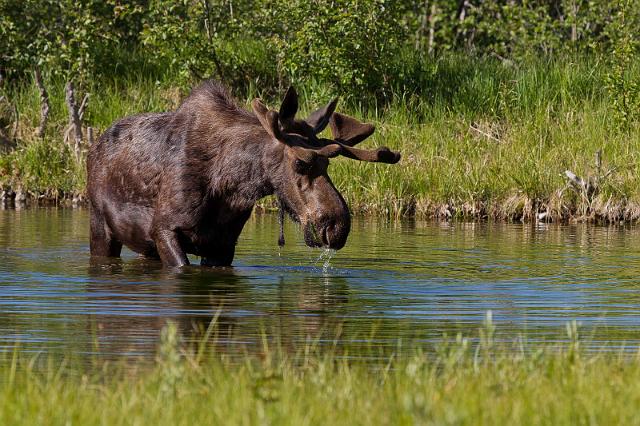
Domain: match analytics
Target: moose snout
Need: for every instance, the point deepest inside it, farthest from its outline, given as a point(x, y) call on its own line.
point(328, 233)
point(333, 235)
point(327, 221)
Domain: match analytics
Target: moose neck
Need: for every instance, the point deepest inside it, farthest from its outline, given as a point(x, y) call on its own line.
point(237, 170)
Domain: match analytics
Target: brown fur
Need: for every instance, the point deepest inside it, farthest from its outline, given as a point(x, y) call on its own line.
point(168, 184)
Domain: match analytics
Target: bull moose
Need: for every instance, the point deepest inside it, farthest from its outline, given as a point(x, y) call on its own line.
point(172, 183)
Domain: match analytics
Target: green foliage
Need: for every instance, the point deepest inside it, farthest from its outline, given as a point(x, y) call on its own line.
point(63, 38)
point(486, 378)
point(206, 38)
point(346, 44)
point(42, 167)
point(356, 47)
point(169, 359)
point(482, 95)
point(623, 86)
point(484, 140)
point(513, 30)
point(174, 30)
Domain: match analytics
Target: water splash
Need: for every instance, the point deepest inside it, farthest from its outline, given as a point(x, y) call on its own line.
point(325, 258)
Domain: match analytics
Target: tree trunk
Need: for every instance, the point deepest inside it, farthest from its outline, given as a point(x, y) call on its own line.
point(6, 142)
point(90, 136)
point(574, 21)
point(44, 105)
point(461, 15)
point(432, 27)
point(75, 120)
point(423, 25)
point(207, 26)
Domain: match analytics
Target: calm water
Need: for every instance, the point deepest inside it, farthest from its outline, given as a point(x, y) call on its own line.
point(410, 280)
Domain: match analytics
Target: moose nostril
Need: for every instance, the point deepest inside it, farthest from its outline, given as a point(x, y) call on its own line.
point(325, 236)
point(322, 234)
point(327, 231)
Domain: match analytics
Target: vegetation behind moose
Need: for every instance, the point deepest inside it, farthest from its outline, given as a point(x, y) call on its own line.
point(168, 184)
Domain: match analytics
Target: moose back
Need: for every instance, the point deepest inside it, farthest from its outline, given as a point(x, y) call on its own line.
point(168, 184)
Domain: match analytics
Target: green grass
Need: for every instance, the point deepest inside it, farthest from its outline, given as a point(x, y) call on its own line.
point(461, 382)
point(479, 139)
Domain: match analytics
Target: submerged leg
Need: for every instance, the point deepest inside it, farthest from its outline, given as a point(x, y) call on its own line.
point(221, 256)
point(101, 242)
point(221, 252)
point(169, 249)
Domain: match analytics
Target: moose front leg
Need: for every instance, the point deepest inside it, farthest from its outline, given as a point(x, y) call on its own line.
point(221, 257)
point(223, 240)
point(169, 249)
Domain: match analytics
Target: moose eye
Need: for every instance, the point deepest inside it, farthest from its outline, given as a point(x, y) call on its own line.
point(301, 167)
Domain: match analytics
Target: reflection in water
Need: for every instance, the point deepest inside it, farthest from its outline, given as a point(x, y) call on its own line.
point(127, 316)
point(134, 312)
point(406, 280)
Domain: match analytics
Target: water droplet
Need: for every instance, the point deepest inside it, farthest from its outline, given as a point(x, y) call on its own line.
point(328, 254)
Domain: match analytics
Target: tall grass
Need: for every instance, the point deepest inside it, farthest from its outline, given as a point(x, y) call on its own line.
point(465, 381)
point(479, 138)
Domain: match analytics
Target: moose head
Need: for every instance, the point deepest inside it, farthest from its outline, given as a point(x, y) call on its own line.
point(297, 160)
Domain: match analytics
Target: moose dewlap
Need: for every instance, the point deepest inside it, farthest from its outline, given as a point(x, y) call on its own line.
point(168, 184)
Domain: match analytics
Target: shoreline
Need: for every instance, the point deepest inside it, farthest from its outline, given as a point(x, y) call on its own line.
point(513, 210)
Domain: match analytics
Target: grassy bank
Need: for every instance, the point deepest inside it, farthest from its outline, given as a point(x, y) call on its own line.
point(461, 383)
point(483, 139)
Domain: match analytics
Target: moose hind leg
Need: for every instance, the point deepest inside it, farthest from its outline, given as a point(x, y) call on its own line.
point(101, 241)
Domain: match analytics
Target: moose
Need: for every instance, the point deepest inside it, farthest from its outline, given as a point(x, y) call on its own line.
point(167, 184)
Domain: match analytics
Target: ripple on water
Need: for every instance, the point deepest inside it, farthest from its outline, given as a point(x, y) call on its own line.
point(412, 281)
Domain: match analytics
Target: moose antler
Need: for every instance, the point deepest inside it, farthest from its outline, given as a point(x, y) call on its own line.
point(308, 154)
point(380, 155)
point(320, 118)
point(270, 121)
point(347, 132)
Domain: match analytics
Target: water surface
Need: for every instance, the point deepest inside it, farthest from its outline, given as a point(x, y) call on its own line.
point(394, 281)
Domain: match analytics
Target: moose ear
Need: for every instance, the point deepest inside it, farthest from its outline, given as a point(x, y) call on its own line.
point(348, 130)
point(268, 119)
point(289, 106)
point(319, 119)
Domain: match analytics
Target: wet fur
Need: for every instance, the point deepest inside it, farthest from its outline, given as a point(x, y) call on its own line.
point(168, 184)
point(194, 174)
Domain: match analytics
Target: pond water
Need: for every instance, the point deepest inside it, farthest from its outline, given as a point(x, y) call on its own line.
point(394, 281)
